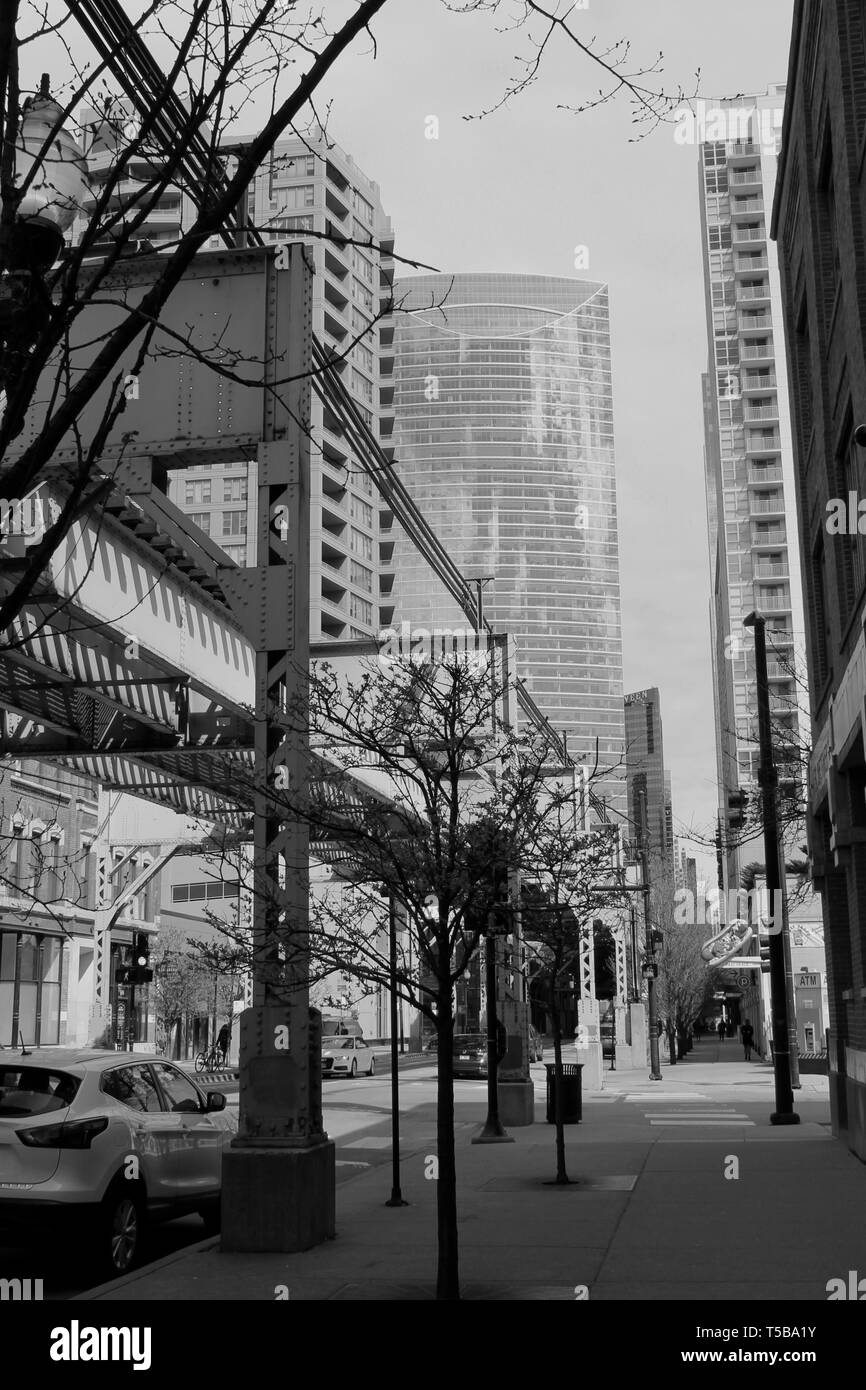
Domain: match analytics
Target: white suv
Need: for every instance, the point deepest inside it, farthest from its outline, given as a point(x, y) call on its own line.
point(106, 1141)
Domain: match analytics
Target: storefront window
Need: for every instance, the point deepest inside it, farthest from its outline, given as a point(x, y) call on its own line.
point(30, 983)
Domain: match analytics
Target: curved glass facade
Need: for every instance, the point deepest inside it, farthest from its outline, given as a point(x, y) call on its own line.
point(504, 438)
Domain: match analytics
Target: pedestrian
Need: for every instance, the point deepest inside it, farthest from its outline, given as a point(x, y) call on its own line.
point(223, 1040)
point(721, 1030)
point(747, 1033)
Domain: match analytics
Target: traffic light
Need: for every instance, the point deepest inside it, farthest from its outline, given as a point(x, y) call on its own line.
point(141, 974)
point(500, 917)
point(765, 958)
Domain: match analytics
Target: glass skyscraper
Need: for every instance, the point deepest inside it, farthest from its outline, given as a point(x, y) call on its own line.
point(504, 438)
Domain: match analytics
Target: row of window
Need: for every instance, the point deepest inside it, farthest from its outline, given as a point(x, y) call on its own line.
point(199, 491)
point(204, 892)
point(233, 523)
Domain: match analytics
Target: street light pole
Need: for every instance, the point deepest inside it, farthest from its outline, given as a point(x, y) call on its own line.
point(784, 1113)
point(652, 1015)
point(396, 1198)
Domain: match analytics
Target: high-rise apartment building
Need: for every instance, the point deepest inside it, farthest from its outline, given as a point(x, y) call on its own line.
point(748, 458)
point(310, 191)
point(317, 188)
point(504, 438)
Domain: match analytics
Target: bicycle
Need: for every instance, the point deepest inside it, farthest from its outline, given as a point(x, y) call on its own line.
point(213, 1060)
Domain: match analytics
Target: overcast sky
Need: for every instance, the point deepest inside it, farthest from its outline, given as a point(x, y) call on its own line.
point(518, 192)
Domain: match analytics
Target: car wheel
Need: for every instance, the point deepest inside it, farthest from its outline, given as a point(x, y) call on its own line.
point(123, 1221)
point(354, 1068)
point(372, 1071)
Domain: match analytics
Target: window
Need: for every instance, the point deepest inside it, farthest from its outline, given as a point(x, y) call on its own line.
point(278, 226)
point(201, 520)
point(362, 265)
point(303, 195)
point(363, 295)
point(134, 1087)
point(362, 207)
point(234, 523)
point(360, 323)
point(294, 166)
point(360, 511)
point(360, 575)
point(234, 489)
point(179, 1092)
point(197, 491)
point(360, 608)
point(360, 544)
point(184, 892)
point(361, 386)
point(364, 358)
point(27, 1090)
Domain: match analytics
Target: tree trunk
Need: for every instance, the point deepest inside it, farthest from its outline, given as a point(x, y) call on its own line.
point(556, 1021)
point(672, 1045)
point(448, 1272)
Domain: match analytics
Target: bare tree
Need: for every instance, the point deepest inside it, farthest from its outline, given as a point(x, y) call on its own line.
point(569, 875)
point(451, 787)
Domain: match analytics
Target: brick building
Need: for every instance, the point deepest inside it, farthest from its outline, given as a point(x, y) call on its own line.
point(819, 218)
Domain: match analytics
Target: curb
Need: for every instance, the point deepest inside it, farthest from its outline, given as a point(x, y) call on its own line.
point(143, 1271)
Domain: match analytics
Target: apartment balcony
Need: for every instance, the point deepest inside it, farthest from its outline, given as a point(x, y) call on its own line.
point(774, 603)
point(747, 207)
point(757, 381)
point(746, 178)
point(768, 411)
point(758, 352)
point(769, 540)
point(760, 477)
point(760, 447)
point(742, 236)
point(777, 671)
point(766, 506)
point(754, 292)
point(755, 323)
point(771, 572)
point(750, 265)
point(740, 150)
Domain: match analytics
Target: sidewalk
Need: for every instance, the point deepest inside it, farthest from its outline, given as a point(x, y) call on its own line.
point(684, 1191)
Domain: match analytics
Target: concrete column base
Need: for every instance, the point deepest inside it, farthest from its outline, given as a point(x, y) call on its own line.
point(593, 1071)
point(278, 1199)
point(516, 1103)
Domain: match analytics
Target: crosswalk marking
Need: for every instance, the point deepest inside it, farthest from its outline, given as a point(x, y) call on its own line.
point(638, 1097)
point(733, 1120)
point(699, 1115)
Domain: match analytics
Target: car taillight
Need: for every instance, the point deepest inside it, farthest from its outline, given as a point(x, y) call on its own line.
point(75, 1134)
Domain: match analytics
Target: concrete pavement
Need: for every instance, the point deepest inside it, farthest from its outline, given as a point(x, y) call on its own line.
point(683, 1191)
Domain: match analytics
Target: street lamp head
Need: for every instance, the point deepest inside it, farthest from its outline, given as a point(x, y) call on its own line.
point(752, 620)
point(860, 436)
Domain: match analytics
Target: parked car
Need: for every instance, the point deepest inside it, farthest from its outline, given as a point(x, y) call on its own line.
point(105, 1142)
point(536, 1046)
point(470, 1054)
point(347, 1056)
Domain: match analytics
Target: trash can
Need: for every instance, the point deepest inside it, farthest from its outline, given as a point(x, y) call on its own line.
point(572, 1093)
